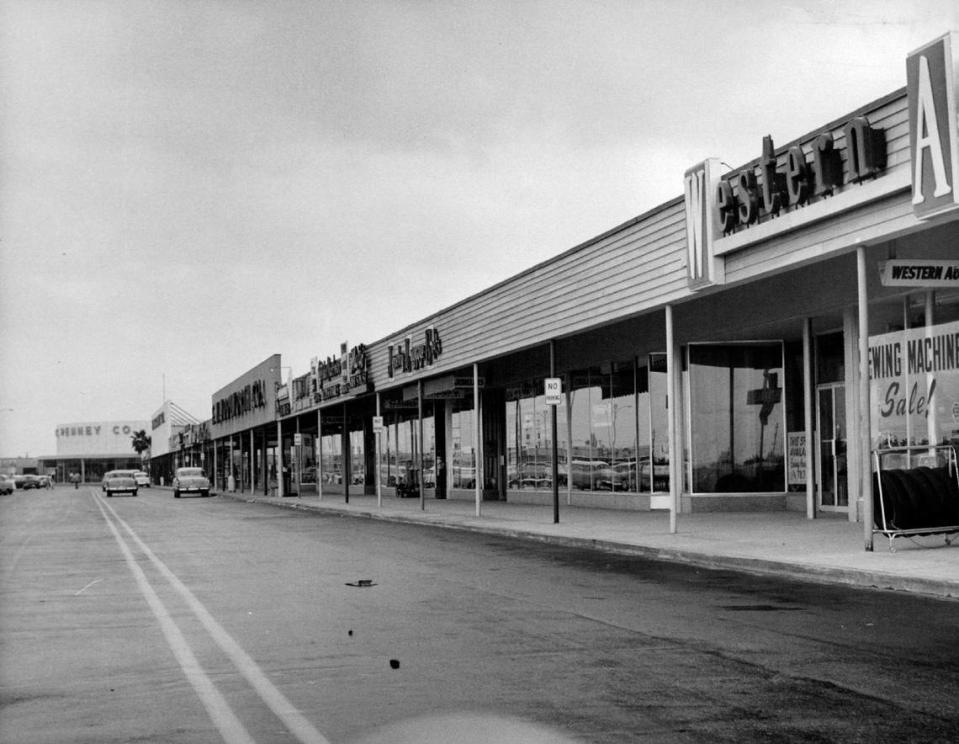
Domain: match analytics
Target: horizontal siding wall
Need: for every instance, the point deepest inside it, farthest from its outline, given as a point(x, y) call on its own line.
point(624, 273)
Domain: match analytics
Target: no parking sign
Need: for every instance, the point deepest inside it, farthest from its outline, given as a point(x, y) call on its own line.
point(553, 390)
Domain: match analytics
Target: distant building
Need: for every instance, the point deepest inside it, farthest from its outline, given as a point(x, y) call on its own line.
point(172, 431)
point(91, 449)
point(18, 465)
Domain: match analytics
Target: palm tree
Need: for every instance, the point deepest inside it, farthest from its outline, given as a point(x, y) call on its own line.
point(141, 442)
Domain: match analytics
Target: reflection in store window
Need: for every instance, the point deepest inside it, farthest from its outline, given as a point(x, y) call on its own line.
point(613, 439)
point(331, 459)
point(736, 417)
point(462, 469)
point(400, 451)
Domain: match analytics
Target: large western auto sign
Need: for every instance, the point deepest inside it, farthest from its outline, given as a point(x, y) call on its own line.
point(825, 174)
point(933, 147)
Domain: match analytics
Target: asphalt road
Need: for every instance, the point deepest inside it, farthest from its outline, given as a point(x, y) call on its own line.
point(157, 619)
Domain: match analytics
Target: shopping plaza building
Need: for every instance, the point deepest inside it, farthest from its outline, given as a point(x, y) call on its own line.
point(752, 344)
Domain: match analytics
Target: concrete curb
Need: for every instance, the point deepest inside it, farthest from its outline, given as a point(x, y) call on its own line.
point(745, 564)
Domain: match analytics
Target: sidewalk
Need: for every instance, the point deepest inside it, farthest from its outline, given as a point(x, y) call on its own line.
point(829, 550)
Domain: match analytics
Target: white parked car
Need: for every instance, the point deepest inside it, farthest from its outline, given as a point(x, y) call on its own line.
point(190, 480)
point(141, 478)
point(119, 481)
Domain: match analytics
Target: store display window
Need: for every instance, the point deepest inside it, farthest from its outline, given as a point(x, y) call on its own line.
point(736, 418)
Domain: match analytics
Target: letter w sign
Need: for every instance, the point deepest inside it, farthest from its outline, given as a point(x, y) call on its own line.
point(700, 184)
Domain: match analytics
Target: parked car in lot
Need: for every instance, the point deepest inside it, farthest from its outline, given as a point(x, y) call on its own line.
point(44, 481)
point(7, 484)
point(190, 480)
point(119, 481)
point(142, 479)
point(25, 481)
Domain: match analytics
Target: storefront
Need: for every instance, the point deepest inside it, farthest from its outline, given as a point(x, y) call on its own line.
point(90, 449)
point(714, 353)
point(325, 423)
point(171, 441)
point(242, 453)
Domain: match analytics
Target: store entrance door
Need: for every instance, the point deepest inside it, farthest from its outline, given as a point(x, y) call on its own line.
point(831, 486)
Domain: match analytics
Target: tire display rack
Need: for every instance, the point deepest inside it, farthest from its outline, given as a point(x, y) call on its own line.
point(916, 492)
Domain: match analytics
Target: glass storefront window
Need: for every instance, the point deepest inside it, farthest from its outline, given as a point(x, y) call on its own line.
point(307, 460)
point(529, 445)
point(615, 437)
point(331, 458)
point(357, 458)
point(736, 417)
point(400, 450)
point(654, 471)
point(463, 467)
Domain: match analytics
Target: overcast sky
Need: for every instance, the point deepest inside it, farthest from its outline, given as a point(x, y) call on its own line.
point(189, 187)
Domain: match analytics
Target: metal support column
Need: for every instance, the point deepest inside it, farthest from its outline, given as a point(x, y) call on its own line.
point(378, 436)
point(865, 428)
point(477, 450)
point(807, 382)
point(554, 468)
point(279, 459)
point(419, 427)
point(671, 392)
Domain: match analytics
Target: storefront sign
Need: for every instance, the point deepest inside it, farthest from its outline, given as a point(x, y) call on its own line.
point(933, 147)
point(97, 438)
point(796, 458)
point(743, 200)
point(914, 376)
point(830, 172)
point(93, 430)
point(919, 273)
point(703, 267)
point(410, 357)
point(241, 402)
point(348, 374)
point(553, 391)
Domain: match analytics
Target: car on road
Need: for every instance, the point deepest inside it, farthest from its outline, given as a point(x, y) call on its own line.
point(44, 481)
point(190, 480)
point(141, 478)
point(119, 481)
point(7, 484)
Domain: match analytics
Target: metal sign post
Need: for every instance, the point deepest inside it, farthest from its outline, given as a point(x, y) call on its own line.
point(553, 392)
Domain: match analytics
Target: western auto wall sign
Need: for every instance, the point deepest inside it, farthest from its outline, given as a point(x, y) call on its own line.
point(240, 402)
point(930, 82)
point(348, 374)
point(408, 356)
point(919, 273)
point(779, 183)
point(790, 182)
